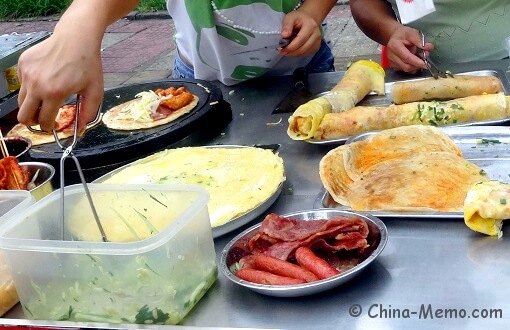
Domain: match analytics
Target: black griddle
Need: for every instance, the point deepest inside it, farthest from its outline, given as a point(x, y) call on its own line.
point(102, 149)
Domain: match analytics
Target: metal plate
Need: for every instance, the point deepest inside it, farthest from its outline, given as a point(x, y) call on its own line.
point(236, 222)
point(377, 238)
point(102, 147)
point(479, 145)
point(373, 100)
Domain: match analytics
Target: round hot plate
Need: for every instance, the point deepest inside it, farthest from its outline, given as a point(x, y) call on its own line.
point(105, 149)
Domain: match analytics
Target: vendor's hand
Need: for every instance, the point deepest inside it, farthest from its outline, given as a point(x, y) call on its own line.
point(305, 33)
point(402, 48)
point(55, 69)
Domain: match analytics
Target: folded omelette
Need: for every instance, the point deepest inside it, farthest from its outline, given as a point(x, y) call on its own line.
point(486, 205)
point(411, 168)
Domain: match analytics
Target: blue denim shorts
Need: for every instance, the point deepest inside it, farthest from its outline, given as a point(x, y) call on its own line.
point(322, 61)
point(181, 69)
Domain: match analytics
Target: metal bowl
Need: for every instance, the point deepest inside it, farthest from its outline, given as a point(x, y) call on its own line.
point(377, 238)
point(45, 173)
point(18, 147)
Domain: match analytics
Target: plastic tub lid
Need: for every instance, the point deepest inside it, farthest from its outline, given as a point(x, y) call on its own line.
point(45, 207)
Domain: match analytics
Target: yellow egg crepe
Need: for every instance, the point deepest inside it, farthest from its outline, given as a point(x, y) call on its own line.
point(237, 179)
point(486, 205)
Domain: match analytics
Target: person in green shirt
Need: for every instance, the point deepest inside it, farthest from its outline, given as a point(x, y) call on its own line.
point(458, 31)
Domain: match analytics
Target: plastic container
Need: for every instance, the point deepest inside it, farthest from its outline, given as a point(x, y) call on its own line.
point(11, 202)
point(156, 280)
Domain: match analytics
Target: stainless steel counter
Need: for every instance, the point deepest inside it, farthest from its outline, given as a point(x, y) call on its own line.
point(438, 267)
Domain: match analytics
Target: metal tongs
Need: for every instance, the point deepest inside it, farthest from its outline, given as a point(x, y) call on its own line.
point(431, 67)
point(67, 152)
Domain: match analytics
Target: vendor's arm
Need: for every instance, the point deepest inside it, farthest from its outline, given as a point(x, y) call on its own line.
point(377, 20)
point(68, 62)
point(305, 23)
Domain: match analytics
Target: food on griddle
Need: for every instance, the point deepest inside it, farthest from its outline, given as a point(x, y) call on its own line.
point(444, 88)
point(13, 176)
point(487, 204)
point(414, 171)
point(361, 78)
point(366, 119)
point(151, 109)
point(237, 179)
point(64, 125)
point(288, 251)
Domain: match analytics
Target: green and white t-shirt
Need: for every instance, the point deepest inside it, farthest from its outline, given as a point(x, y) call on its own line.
point(466, 30)
point(233, 40)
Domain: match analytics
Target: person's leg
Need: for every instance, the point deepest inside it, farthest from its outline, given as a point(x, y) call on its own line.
point(182, 69)
point(323, 60)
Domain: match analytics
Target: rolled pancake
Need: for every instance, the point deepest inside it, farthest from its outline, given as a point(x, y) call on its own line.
point(397, 143)
point(361, 78)
point(486, 205)
point(306, 119)
point(365, 119)
point(444, 88)
point(437, 181)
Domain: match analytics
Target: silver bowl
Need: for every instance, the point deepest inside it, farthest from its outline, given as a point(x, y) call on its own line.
point(377, 238)
point(18, 147)
point(45, 173)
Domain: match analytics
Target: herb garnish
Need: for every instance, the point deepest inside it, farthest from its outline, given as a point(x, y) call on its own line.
point(155, 316)
point(502, 201)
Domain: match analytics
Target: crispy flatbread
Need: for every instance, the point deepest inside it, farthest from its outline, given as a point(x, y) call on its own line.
point(437, 181)
point(43, 138)
point(412, 168)
point(444, 88)
point(112, 119)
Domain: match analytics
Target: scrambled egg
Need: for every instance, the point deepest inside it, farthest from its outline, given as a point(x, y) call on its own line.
point(237, 179)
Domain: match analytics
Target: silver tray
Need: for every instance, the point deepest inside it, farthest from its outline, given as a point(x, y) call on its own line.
point(236, 222)
point(373, 100)
point(479, 144)
point(377, 238)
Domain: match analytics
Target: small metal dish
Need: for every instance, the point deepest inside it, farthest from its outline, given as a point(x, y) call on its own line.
point(377, 238)
point(45, 173)
point(18, 147)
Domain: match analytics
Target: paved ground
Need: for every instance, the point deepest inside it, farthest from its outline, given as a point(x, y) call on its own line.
point(133, 49)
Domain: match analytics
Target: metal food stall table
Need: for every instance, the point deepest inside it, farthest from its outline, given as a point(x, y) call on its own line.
point(433, 273)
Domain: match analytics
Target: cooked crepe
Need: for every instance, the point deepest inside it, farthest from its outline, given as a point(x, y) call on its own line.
point(397, 143)
point(118, 118)
point(237, 179)
point(444, 88)
point(487, 204)
point(437, 181)
point(361, 78)
point(412, 168)
point(365, 119)
point(342, 165)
